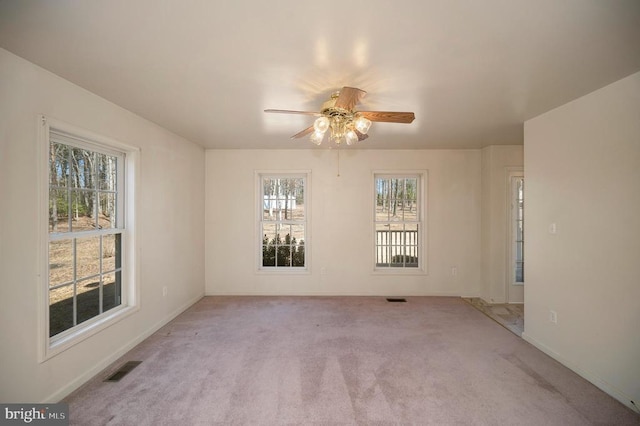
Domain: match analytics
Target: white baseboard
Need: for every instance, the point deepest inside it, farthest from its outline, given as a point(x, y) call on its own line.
point(89, 374)
point(587, 375)
point(321, 294)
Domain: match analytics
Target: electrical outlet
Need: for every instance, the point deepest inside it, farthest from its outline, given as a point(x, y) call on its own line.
point(165, 290)
point(553, 316)
point(454, 271)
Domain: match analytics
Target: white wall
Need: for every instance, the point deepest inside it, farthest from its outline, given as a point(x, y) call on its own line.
point(341, 222)
point(497, 161)
point(170, 220)
point(582, 164)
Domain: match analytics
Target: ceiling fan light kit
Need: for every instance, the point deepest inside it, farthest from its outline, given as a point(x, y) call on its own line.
point(342, 121)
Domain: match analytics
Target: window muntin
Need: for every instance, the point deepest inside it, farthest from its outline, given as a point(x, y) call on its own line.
point(85, 230)
point(398, 225)
point(283, 221)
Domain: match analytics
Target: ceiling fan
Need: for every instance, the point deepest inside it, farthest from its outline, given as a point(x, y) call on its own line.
point(338, 115)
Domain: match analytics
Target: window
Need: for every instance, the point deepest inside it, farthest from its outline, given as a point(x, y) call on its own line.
point(283, 221)
point(88, 277)
point(517, 228)
point(398, 221)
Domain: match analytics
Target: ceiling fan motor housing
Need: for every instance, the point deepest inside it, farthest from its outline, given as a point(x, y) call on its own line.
point(330, 109)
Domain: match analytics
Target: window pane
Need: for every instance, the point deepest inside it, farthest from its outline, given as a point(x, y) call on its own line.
point(411, 189)
point(88, 299)
point(382, 199)
point(410, 211)
point(396, 245)
point(283, 255)
point(297, 197)
point(268, 255)
point(294, 198)
point(111, 254)
point(382, 245)
point(382, 209)
point(82, 210)
point(283, 234)
point(269, 232)
point(60, 262)
point(519, 272)
point(111, 290)
point(269, 244)
point(106, 167)
point(82, 169)
point(520, 251)
point(87, 257)
point(283, 245)
point(270, 205)
point(297, 234)
point(269, 186)
point(411, 246)
point(107, 211)
point(297, 245)
point(60, 309)
point(410, 204)
point(59, 165)
point(394, 210)
point(297, 255)
point(519, 231)
point(286, 198)
point(58, 210)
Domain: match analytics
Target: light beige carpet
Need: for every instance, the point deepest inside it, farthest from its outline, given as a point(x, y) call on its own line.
point(340, 360)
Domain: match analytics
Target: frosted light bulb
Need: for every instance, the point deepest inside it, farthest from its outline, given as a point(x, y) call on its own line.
point(317, 137)
point(321, 124)
point(362, 125)
point(351, 137)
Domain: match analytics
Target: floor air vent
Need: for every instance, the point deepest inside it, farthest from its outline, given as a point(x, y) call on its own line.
point(123, 371)
point(397, 300)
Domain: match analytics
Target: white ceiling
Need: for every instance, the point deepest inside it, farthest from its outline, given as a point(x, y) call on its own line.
point(472, 71)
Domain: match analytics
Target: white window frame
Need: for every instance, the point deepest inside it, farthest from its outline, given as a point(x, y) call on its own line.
point(422, 177)
point(259, 197)
point(52, 346)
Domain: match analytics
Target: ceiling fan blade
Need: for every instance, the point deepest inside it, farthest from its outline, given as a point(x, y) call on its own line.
point(287, 111)
point(361, 136)
point(388, 116)
point(349, 97)
point(303, 133)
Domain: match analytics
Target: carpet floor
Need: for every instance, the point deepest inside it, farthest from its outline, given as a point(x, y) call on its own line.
point(340, 360)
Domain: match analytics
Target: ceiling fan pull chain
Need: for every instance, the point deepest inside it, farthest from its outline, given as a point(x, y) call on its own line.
point(338, 150)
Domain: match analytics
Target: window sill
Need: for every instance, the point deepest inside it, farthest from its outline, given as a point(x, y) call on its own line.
point(399, 271)
point(283, 271)
point(58, 344)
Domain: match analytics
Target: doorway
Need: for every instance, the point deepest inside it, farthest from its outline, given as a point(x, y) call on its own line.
point(516, 232)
